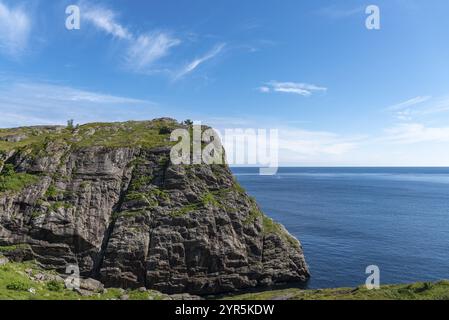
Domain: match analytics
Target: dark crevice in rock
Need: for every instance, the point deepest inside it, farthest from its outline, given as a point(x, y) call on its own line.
point(147, 281)
point(99, 262)
point(110, 229)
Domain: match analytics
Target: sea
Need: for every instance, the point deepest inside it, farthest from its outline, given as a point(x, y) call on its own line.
point(350, 218)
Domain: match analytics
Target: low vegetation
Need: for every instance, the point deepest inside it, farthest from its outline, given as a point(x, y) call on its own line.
point(417, 291)
point(35, 140)
point(186, 210)
point(11, 181)
point(17, 283)
point(5, 249)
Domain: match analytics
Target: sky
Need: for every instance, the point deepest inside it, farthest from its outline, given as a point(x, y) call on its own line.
point(339, 93)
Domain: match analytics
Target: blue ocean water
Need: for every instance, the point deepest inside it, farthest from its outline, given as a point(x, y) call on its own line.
point(350, 218)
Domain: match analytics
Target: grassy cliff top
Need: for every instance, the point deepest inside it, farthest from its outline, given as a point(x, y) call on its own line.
point(154, 133)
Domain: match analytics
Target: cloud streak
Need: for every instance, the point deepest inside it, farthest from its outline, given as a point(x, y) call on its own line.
point(296, 145)
point(143, 50)
point(30, 103)
point(418, 107)
point(412, 133)
point(409, 103)
point(337, 12)
point(306, 143)
point(105, 20)
point(302, 89)
point(197, 62)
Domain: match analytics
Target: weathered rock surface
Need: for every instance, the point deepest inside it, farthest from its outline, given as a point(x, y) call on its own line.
point(106, 198)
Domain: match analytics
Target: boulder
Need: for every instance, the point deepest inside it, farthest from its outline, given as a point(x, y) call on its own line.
point(91, 285)
point(3, 260)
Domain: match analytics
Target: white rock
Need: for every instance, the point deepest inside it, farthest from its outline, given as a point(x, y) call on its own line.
point(3, 260)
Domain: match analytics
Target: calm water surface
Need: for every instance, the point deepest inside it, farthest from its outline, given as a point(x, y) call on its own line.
point(349, 218)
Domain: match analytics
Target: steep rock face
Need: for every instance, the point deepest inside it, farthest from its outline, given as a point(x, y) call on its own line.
point(106, 197)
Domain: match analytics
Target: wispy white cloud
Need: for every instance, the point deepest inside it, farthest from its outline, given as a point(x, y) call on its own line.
point(68, 94)
point(411, 133)
point(15, 28)
point(143, 50)
point(436, 106)
point(316, 143)
point(296, 145)
point(105, 20)
point(409, 103)
point(197, 62)
point(338, 12)
point(395, 146)
point(418, 107)
point(147, 49)
point(403, 110)
point(303, 89)
point(30, 103)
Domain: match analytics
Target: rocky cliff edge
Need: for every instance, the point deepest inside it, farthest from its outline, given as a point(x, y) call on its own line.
point(106, 198)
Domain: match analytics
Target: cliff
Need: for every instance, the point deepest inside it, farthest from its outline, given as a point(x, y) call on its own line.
point(105, 197)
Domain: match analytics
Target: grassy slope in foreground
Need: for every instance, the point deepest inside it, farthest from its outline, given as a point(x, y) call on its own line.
point(15, 284)
point(417, 291)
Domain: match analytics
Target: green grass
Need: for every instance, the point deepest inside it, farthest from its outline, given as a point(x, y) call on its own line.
point(52, 192)
point(238, 187)
point(151, 198)
point(55, 206)
point(253, 215)
point(208, 199)
point(417, 291)
point(132, 133)
point(272, 227)
point(5, 249)
point(54, 285)
point(147, 134)
point(160, 194)
point(11, 181)
point(186, 210)
point(139, 196)
point(15, 284)
point(33, 137)
point(138, 182)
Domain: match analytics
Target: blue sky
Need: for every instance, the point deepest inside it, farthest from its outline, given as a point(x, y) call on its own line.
point(340, 94)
